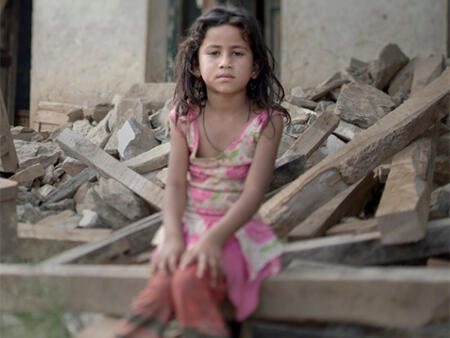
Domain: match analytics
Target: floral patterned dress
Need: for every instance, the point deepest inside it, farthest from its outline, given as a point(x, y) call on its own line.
point(214, 184)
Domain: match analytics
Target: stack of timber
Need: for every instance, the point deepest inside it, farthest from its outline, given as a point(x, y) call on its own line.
point(360, 198)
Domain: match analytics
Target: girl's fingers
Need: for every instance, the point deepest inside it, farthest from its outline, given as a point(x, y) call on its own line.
point(172, 263)
point(201, 265)
point(187, 259)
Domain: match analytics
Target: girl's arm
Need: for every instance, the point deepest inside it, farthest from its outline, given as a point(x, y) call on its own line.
point(256, 184)
point(174, 204)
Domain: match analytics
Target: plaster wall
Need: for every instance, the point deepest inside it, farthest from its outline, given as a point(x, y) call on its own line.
point(318, 37)
point(84, 51)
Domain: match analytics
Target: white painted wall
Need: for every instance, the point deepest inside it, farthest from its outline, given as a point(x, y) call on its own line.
point(318, 37)
point(85, 51)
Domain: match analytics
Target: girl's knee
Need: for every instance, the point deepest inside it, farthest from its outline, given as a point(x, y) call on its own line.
point(186, 279)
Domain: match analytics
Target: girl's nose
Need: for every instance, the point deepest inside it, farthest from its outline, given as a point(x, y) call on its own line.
point(225, 62)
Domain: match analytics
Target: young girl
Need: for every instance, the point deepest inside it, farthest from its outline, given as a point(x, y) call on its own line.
point(225, 130)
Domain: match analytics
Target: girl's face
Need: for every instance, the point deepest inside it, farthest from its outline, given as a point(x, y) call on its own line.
point(225, 61)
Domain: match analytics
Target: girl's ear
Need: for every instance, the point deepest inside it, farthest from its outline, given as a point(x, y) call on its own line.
point(255, 71)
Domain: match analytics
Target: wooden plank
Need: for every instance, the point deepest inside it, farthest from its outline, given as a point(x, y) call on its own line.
point(355, 227)
point(55, 233)
point(8, 220)
point(314, 135)
point(347, 203)
point(404, 206)
point(131, 239)
point(82, 149)
point(354, 160)
point(51, 117)
point(63, 108)
point(301, 292)
point(366, 249)
point(9, 159)
point(155, 158)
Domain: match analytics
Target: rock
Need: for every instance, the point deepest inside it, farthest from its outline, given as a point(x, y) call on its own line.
point(301, 101)
point(442, 170)
point(443, 147)
point(24, 196)
point(90, 219)
point(299, 115)
point(100, 134)
point(28, 213)
point(124, 110)
point(153, 95)
point(49, 177)
point(134, 139)
point(29, 153)
point(75, 114)
point(100, 111)
point(81, 192)
point(346, 131)
point(363, 105)
point(108, 215)
point(440, 202)
point(390, 61)
point(332, 144)
point(82, 127)
point(29, 174)
point(400, 86)
point(122, 199)
point(162, 176)
point(45, 190)
point(73, 166)
point(65, 204)
point(358, 71)
point(27, 134)
point(426, 70)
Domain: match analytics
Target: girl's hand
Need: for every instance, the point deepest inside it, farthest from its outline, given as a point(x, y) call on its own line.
point(166, 260)
point(207, 252)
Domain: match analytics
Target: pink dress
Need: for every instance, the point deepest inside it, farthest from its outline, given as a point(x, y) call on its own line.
point(214, 184)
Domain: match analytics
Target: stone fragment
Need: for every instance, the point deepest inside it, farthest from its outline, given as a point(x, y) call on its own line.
point(134, 139)
point(346, 131)
point(443, 147)
point(426, 70)
point(45, 190)
point(82, 127)
point(28, 213)
point(358, 71)
point(108, 215)
point(100, 111)
point(122, 199)
point(73, 166)
point(123, 111)
point(65, 204)
point(153, 95)
point(440, 202)
point(90, 219)
point(153, 159)
point(363, 105)
point(441, 170)
point(29, 153)
point(29, 174)
point(75, 114)
point(49, 177)
point(24, 196)
point(101, 133)
point(400, 86)
point(390, 61)
point(332, 144)
point(27, 134)
point(81, 192)
point(55, 218)
point(299, 115)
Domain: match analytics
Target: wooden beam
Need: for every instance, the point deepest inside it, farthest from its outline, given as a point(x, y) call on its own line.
point(131, 239)
point(9, 159)
point(8, 221)
point(366, 249)
point(55, 233)
point(347, 203)
point(314, 135)
point(82, 149)
point(404, 206)
point(354, 227)
point(354, 160)
point(301, 292)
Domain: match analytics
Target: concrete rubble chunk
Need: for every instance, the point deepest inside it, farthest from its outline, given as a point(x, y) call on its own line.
point(153, 95)
point(346, 131)
point(390, 61)
point(73, 166)
point(62, 205)
point(28, 134)
point(117, 196)
point(82, 127)
point(153, 159)
point(363, 105)
point(299, 115)
point(75, 114)
point(400, 85)
point(28, 213)
point(45, 190)
point(134, 139)
point(29, 173)
point(90, 219)
point(426, 70)
point(125, 109)
point(440, 202)
point(100, 134)
point(108, 215)
point(30, 153)
point(100, 111)
point(358, 71)
point(333, 143)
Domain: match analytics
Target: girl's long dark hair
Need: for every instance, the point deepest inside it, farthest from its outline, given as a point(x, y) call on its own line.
point(266, 90)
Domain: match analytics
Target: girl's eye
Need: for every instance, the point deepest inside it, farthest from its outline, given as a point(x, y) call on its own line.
point(214, 53)
point(238, 53)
